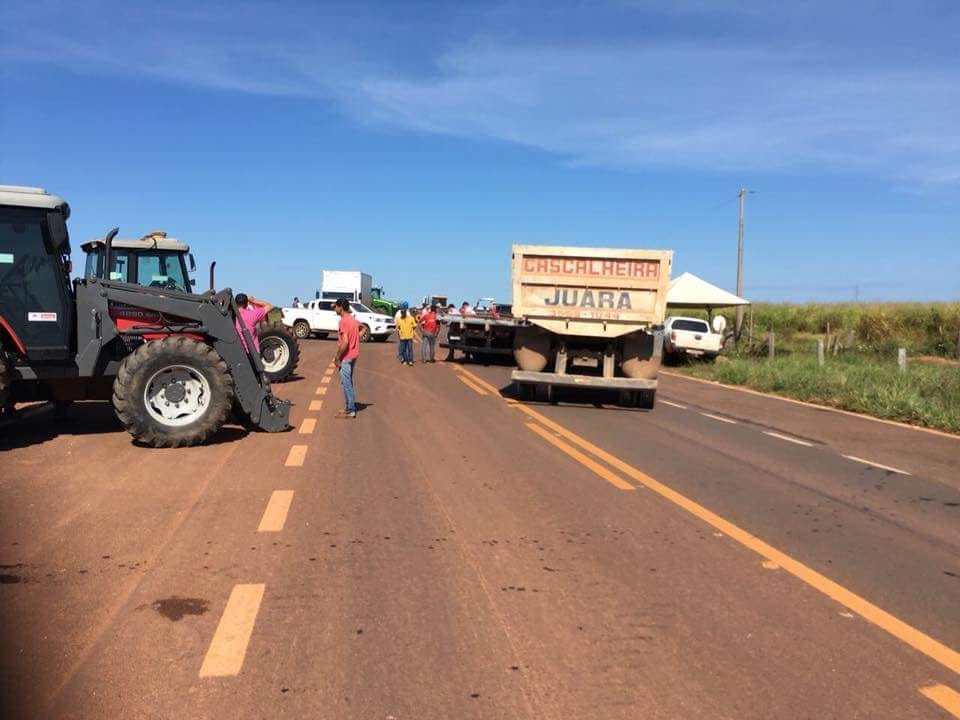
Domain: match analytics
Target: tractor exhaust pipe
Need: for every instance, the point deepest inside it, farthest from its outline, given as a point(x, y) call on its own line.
point(108, 251)
point(212, 266)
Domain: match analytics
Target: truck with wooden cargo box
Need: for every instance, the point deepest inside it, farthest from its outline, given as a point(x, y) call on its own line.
point(591, 318)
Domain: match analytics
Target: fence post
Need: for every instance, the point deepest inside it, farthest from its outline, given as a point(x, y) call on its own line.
point(820, 352)
point(902, 359)
point(770, 342)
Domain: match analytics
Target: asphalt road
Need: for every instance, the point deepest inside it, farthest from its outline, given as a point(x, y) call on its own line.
point(455, 554)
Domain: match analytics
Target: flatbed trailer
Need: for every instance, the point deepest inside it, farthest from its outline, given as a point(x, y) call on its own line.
point(477, 335)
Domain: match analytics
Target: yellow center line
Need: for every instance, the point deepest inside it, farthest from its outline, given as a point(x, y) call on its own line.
point(322, 390)
point(229, 645)
point(935, 650)
point(478, 380)
point(275, 516)
point(947, 698)
point(328, 371)
point(472, 385)
point(296, 456)
point(308, 425)
point(610, 477)
point(316, 405)
point(325, 379)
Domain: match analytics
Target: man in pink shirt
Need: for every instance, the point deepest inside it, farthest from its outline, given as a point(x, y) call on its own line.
point(348, 350)
point(250, 312)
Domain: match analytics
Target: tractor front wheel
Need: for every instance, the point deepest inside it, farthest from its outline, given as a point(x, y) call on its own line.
point(279, 351)
point(173, 392)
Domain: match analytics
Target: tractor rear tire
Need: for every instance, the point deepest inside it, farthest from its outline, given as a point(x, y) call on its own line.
point(173, 392)
point(5, 381)
point(279, 351)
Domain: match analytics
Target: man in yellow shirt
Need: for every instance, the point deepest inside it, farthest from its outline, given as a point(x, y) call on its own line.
point(406, 327)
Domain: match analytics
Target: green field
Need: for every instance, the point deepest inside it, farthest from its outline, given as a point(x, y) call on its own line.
point(862, 375)
point(922, 328)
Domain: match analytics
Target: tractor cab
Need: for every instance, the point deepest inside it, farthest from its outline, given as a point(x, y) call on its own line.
point(152, 261)
point(36, 302)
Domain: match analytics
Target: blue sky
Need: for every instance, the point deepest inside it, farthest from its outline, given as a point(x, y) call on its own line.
point(418, 141)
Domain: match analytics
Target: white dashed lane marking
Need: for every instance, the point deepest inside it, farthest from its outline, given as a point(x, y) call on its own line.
point(876, 465)
point(797, 441)
point(718, 417)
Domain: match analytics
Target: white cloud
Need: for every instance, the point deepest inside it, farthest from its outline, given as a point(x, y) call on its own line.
point(673, 97)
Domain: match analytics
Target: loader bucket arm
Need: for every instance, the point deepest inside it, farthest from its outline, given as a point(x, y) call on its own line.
point(214, 317)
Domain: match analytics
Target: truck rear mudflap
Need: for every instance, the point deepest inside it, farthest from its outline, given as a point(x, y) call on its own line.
point(586, 381)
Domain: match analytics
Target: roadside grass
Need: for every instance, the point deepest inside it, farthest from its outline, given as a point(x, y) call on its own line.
point(926, 394)
point(921, 328)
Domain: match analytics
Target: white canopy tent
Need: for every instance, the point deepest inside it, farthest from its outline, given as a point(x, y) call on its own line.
point(688, 291)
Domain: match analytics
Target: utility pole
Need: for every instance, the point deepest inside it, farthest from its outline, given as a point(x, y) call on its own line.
point(739, 326)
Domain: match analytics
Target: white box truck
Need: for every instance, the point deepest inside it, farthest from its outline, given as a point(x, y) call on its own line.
point(589, 317)
point(350, 284)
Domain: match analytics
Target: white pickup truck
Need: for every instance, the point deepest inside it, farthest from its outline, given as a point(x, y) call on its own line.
point(692, 337)
point(318, 317)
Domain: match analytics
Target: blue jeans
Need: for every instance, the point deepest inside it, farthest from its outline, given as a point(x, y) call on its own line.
point(346, 380)
point(428, 347)
point(406, 351)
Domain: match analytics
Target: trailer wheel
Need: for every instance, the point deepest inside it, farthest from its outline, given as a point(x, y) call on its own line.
point(279, 351)
point(301, 328)
point(173, 392)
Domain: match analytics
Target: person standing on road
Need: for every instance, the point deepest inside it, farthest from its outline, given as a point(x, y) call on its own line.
point(428, 333)
point(250, 312)
point(406, 328)
point(348, 350)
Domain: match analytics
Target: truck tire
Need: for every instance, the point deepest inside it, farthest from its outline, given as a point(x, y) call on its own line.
point(637, 360)
point(531, 348)
point(646, 399)
point(279, 351)
point(301, 328)
point(173, 392)
point(364, 333)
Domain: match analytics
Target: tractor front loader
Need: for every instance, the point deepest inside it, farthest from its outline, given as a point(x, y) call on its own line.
point(161, 262)
point(171, 361)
